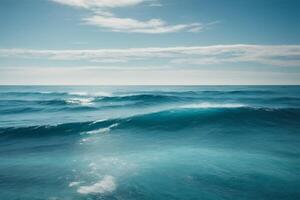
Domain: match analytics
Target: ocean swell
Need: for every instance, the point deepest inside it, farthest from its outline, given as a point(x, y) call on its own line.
point(172, 119)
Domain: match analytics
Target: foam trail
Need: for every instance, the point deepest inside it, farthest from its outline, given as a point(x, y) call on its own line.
point(102, 130)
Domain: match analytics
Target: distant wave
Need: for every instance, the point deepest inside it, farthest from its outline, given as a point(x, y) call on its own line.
point(28, 106)
point(140, 97)
point(33, 93)
point(133, 97)
point(82, 101)
point(238, 92)
point(49, 102)
point(141, 94)
point(52, 93)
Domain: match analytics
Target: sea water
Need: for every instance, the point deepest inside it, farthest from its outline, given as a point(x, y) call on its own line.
point(149, 142)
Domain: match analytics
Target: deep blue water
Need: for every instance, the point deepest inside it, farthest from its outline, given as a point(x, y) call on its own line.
point(200, 142)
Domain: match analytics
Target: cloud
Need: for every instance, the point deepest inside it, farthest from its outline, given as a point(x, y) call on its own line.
point(91, 4)
point(135, 26)
point(82, 76)
point(273, 55)
point(102, 16)
point(156, 5)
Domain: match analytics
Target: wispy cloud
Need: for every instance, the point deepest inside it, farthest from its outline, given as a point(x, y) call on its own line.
point(102, 16)
point(91, 4)
point(274, 55)
point(135, 26)
point(155, 5)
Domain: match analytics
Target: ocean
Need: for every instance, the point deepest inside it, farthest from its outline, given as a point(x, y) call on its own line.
point(149, 142)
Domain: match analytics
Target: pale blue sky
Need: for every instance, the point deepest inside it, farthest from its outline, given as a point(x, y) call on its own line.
point(149, 42)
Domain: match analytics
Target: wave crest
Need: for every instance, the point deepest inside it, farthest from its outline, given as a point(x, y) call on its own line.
point(214, 105)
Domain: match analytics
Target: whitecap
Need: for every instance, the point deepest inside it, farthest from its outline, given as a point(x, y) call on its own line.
point(81, 101)
point(78, 93)
point(107, 184)
point(214, 105)
point(75, 183)
point(100, 120)
point(96, 94)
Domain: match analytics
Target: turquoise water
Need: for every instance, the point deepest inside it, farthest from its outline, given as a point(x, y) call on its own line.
point(200, 142)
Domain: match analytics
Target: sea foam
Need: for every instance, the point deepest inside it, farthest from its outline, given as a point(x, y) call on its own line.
point(72, 184)
point(107, 184)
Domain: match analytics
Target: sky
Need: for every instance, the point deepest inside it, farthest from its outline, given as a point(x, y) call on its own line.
point(149, 42)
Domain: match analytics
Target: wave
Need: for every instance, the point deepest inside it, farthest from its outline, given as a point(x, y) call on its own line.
point(238, 92)
point(72, 104)
point(140, 97)
point(92, 103)
point(177, 119)
point(146, 96)
point(15, 110)
point(197, 92)
point(207, 92)
point(49, 102)
point(171, 120)
point(53, 93)
point(161, 97)
point(30, 106)
point(33, 93)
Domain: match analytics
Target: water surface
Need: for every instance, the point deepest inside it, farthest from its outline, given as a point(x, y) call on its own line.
point(138, 142)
